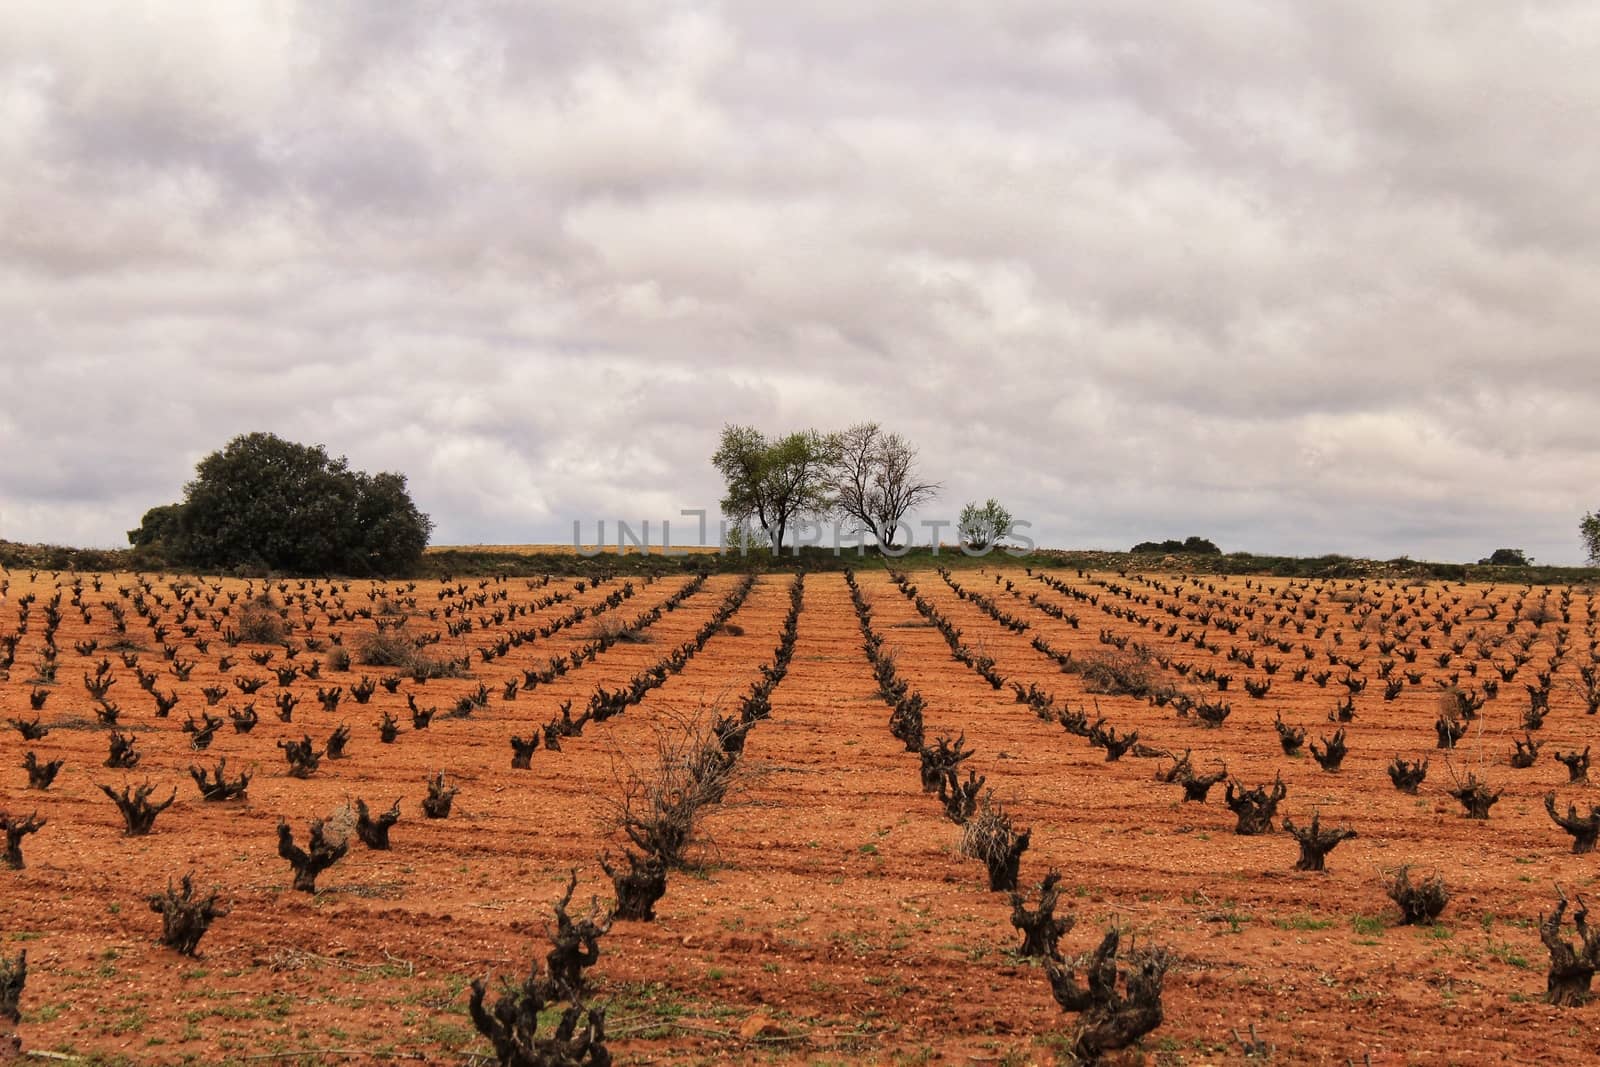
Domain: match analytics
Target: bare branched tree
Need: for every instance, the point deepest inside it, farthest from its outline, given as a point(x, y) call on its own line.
point(878, 486)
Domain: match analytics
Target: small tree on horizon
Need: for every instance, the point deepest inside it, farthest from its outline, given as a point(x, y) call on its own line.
point(1590, 529)
point(1193, 545)
point(981, 528)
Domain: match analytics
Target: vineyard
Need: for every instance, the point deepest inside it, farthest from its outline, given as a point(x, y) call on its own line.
point(1001, 815)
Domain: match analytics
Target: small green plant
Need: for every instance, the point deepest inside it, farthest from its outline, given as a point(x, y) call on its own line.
point(1367, 925)
point(1507, 954)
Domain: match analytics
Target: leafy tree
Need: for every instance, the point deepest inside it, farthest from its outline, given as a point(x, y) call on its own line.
point(393, 532)
point(1195, 546)
point(267, 502)
point(1590, 529)
point(158, 526)
point(877, 480)
point(982, 527)
point(775, 482)
point(1507, 557)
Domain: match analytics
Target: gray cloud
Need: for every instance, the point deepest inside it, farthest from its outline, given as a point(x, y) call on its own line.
point(1297, 277)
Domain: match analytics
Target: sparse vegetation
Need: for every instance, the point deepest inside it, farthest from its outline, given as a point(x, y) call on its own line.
point(833, 796)
point(395, 648)
point(1118, 673)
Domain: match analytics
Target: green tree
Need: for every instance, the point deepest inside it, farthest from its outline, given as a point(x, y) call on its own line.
point(1590, 529)
point(158, 526)
point(393, 531)
point(775, 482)
point(1194, 545)
point(1506, 557)
point(267, 502)
point(982, 527)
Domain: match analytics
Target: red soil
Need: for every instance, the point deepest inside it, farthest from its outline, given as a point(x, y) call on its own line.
point(829, 916)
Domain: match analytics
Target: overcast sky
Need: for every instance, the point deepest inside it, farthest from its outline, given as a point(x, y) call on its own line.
point(1297, 277)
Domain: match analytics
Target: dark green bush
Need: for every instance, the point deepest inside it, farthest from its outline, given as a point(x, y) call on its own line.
point(270, 504)
point(1194, 546)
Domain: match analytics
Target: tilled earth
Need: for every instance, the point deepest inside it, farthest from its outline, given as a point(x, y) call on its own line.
point(827, 914)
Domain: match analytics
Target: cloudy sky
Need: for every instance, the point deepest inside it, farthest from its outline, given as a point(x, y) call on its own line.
point(1298, 277)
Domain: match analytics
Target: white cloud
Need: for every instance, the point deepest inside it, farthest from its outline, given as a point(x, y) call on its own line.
point(1295, 277)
